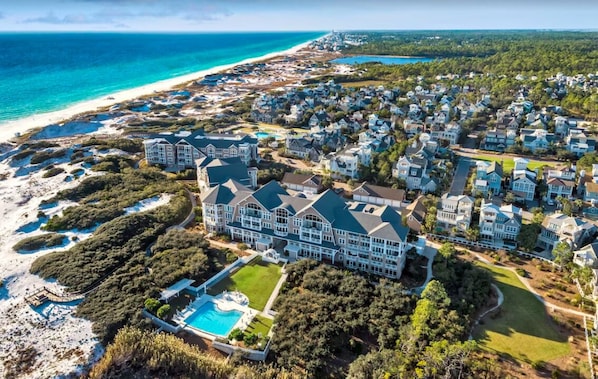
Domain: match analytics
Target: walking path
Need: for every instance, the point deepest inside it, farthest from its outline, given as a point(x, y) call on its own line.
point(500, 300)
point(532, 290)
point(525, 283)
point(273, 296)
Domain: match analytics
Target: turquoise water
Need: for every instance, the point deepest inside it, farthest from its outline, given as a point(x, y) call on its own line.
point(52, 71)
point(358, 59)
point(209, 318)
point(262, 135)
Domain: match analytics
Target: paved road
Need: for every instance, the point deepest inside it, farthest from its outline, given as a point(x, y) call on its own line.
point(460, 177)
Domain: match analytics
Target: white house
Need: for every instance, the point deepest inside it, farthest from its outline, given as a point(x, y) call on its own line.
point(346, 162)
point(454, 211)
point(500, 226)
point(561, 228)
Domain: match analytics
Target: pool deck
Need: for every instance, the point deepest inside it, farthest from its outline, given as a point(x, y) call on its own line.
point(223, 304)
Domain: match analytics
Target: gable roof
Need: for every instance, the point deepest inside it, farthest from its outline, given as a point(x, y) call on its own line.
point(267, 195)
point(381, 192)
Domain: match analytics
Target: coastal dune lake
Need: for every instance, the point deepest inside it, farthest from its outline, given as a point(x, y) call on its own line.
point(44, 72)
point(384, 59)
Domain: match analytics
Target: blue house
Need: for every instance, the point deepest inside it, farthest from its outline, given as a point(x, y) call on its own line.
point(488, 177)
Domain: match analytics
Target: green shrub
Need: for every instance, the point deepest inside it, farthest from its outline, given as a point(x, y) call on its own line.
point(242, 246)
point(53, 172)
point(42, 156)
point(521, 272)
point(250, 339)
point(236, 334)
point(163, 311)
point(152, 305)
point(39, 242)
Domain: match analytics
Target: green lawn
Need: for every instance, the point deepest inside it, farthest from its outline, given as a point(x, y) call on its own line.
point(508, 164)
point(522, 330)
point(260, 324)
point(256, 279)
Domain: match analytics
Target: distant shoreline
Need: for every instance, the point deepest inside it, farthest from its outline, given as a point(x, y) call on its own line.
point(9, 129)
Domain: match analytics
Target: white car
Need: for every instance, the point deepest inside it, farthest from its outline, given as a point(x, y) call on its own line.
point(550, 202)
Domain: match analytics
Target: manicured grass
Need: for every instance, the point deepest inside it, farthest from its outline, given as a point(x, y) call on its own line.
point(508, 164)
point(522, 329)
point(260, 324)
point(256, 279)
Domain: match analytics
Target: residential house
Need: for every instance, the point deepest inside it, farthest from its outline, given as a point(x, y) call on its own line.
point(562, 228)
point(523, 181)
point(214, 171)
point(371, 194)
point(559, 187)
point(449, 133)
point(591, 192)
point(412, 170)
point(325, 228)
point(488, 177)
point(307, 183)
point(347, 161)
point(587, 256)
point(414, 214)
point(579, 143)
point(302, 147)
point(182, 149)
point(500, 226)
point(455, 212)
point(536, 139)
point(498, 139)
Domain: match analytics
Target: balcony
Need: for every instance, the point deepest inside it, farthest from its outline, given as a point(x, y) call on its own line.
point(310, 235)
point(250, 222)
point(281, 229)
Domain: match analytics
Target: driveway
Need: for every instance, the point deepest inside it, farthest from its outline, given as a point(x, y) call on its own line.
point(460, 177)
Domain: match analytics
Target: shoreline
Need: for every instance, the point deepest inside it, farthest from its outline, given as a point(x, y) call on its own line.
point(8, 130)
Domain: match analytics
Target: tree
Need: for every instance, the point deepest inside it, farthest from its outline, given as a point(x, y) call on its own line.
point(472, 234)
point(509, 198)
point(527, 236)
point(447, 251)
point(327, 182)
point(562, 253)
point(152, 304)
point(429, 225)
point(163, 311)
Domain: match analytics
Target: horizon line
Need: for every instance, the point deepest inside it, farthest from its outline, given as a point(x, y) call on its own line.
point(298, 31)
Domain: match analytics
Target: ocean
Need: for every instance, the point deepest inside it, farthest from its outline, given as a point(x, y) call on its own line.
point(44, 72)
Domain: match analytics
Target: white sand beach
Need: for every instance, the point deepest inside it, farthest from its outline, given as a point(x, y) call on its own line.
point(9, 129)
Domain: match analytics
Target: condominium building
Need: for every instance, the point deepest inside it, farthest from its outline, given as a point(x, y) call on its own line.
point(182, 149)
point(359, 236)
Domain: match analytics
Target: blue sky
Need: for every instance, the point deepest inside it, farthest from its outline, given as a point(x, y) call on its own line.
point(233, 15)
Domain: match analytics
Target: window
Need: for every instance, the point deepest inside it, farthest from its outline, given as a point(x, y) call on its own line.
point(281, 216)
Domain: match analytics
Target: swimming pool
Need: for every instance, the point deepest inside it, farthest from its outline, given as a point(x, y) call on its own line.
point(262, 135)
point(210, 319)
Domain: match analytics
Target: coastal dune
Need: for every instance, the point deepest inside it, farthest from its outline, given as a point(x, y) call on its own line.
point(10, 129)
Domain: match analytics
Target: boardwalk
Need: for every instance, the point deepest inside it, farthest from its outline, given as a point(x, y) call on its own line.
point(43, 295)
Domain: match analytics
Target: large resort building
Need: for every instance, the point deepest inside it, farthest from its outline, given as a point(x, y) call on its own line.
point(325, 228)
point(182, 149)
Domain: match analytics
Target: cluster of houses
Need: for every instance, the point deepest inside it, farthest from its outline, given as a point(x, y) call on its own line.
point(432, 113)
point(536, 132)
